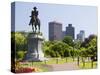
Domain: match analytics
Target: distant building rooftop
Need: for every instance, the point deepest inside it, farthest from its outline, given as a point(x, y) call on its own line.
point(55, 22)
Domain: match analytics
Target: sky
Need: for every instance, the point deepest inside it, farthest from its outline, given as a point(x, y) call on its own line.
point(81, 17)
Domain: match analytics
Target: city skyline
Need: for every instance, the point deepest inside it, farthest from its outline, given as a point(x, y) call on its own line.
point(81, 17)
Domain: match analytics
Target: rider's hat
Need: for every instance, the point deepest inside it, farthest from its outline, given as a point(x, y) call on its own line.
point(34, 8)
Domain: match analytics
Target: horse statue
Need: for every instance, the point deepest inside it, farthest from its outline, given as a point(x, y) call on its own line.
point(34, 21)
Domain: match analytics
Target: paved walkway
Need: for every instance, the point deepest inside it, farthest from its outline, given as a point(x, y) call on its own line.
point(62, 67)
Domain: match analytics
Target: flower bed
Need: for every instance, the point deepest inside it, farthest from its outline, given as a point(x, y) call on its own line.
point(25, 70)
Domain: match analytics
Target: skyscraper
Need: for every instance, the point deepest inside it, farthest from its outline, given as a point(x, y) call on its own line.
point(70, 31)
point(81, 36)
point(55, 31)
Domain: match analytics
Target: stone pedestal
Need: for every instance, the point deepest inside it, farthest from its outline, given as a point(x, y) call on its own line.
point(35, 52)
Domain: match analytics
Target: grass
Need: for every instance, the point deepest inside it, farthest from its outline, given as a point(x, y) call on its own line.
point(60, 60)
point(88, 65)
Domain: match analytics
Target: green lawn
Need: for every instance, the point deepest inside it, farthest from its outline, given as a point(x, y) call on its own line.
point(88, 65)
point(50, 61)
point(59, 61)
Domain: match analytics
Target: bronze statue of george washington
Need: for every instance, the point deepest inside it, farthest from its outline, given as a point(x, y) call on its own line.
point(34, 21)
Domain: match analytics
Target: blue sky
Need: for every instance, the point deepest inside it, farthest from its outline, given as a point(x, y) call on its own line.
point(82, 17)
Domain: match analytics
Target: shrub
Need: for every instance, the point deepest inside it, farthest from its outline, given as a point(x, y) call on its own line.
point(20, 54)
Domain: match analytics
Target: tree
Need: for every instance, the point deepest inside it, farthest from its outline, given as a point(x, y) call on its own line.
point(90, 44)
point(66, 51)
point(58, 48)
point(68, 40)
point(20, 44)
point(77, 47)
point(47, 48)
point(83, 54)
point(20, 41)
point(73, 52)
point(92, 50)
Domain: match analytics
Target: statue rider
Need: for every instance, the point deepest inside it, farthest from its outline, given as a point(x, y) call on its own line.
point(34, 15)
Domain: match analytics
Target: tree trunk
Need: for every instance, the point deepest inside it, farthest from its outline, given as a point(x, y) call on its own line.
point(83, 62)
point(66, 59)
point(91, 63)
point(73, 58)
point(45, 62)
point(78, 61)
point(56, 60)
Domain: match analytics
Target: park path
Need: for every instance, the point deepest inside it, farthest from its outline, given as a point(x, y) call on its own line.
point(63, 67)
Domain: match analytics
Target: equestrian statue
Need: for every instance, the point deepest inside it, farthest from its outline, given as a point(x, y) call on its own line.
point(35, 21)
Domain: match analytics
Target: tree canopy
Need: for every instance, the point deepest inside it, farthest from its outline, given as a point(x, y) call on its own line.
point(68, 40)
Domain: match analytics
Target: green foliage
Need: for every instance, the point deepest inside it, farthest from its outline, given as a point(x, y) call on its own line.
point(20, 41)
point(83, 52)
point(56, 49)
point(47, 48)
point(66, 52)
point(89, 47)
point(72, 52)
point(68, 40)
point(77, 45)
point(92, 49)
point(20, 54)
point(19, 38)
